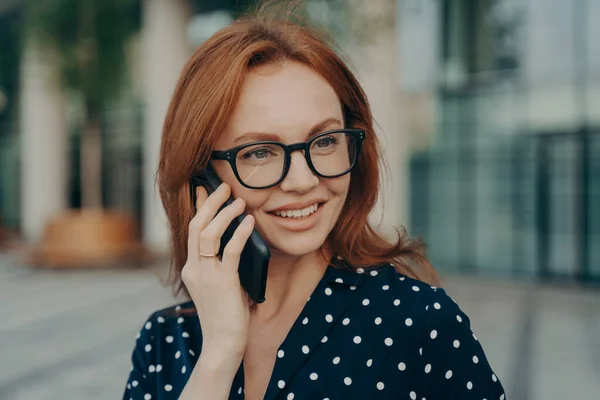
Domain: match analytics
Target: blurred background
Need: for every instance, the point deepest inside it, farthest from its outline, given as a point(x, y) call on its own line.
point(489, 113)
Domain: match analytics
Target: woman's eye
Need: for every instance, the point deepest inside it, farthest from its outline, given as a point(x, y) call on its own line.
point(259, 154)
point(326, 141)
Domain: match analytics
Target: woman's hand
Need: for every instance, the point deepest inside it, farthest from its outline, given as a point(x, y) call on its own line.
point(213, 284)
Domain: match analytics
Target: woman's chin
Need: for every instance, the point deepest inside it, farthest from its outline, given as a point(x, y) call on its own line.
point(295, 247)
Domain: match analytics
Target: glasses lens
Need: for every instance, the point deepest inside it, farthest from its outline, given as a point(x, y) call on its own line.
point(260, 165)
point(333, 154)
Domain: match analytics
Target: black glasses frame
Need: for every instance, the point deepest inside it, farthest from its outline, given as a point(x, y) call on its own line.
point(230, 155)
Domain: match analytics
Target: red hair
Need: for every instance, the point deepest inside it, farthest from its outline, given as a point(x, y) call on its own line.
point(204, 99)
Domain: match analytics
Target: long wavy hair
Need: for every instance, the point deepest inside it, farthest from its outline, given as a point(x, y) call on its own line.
point(203, 101)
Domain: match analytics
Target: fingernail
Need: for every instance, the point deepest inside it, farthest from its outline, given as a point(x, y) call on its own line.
point(221, 186)
point(247, 219)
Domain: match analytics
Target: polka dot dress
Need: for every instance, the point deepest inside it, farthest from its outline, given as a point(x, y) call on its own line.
point(363, 334)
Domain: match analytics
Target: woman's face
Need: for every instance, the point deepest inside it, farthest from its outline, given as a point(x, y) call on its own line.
point(291, 103)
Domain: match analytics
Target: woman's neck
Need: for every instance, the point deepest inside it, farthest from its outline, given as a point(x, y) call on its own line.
point(291, 281)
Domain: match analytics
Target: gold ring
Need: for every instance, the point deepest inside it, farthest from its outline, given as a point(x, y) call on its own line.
point(207, 255)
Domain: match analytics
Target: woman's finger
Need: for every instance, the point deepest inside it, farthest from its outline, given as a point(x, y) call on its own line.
point(216, 228)
point(233, 249)
point(207, 207)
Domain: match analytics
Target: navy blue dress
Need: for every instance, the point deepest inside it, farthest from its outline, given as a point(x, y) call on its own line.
point(364, 334)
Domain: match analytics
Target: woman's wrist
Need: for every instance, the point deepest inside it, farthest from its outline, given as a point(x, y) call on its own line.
point(218, 362)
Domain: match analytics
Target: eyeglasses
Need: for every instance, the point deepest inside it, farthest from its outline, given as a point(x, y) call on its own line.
point(261, 165)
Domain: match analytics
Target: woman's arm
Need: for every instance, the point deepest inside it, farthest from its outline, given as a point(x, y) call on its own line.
point(212, 377)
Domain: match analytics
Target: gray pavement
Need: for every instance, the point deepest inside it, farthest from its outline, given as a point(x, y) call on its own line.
point(69, 334)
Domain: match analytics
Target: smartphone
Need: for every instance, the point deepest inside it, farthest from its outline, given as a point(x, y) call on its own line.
point(254, 260)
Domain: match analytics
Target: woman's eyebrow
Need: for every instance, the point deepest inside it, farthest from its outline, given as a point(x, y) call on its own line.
point(263, 136)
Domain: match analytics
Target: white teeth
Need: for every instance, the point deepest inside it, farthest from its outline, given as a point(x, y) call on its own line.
point(297, 213)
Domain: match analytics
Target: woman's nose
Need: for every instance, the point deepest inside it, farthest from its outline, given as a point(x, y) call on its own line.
point(300, 177)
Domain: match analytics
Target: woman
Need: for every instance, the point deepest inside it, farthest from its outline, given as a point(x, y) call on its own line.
point(348, 315)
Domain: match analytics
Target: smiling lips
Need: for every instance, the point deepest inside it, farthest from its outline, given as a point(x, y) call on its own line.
point(301, 213)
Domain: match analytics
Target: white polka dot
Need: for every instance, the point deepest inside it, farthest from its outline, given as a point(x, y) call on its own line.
point(374, 273)
point(408, 322)
point(168, 388)
point(494, 378)
point(456, 344)
point(428, 368)
point(380, 385)
point(151, 368)
point(169, 339)
point(339, 280)
point(458, 318)
point(421, 351)
point(328, 318)
point(475, 359)
point(305, 321)
point(357, 339)
point(388, 341)
point(396, 302)
point(290, 396)
point(369, 362)
point(352, 287)
point(415, 288)
point(474, 337)
point(336, 360)
point(385, 287)
point(346, 321)
point(426, 308)
point(158, 368)
point(177, 308)
point(129, 386)
point(180, 320)
point(437, 306)
point(305, 349)
point(240, 390)
point(147, 396)
point(365, 302)
point(433, 334)
point(449, 374)
point(281, 384)
point(280, 353)
point(148, 348)
point(137, 335)
point(502, 396)
point(177, 355)
point(402, 278)
point(377, 321)
point(160, 320)
point(469, 385)
point(148, 325)
point(402, 366)
point(192, 353)
point(134, 383)
point(328, 291)
point(185, 335)
point(314, 376)
point(348, 381)
point(324, 339)
point(360, 270)
point(183, 369)
point(413, 395)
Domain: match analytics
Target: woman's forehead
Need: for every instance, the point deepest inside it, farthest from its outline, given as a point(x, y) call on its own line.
point(288, 100)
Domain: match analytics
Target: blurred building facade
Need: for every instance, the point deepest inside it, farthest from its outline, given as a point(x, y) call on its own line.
point(500, 106)
point(506, 174)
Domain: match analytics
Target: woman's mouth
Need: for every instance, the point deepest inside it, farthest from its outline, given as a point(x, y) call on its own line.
point(299, 219)
point(298, 214)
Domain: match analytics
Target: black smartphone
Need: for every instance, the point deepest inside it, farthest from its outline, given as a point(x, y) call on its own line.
point(254, 261)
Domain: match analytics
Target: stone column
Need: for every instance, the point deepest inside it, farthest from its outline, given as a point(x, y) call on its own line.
point(43, 145)
point(375, 55)
point(166, 49)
